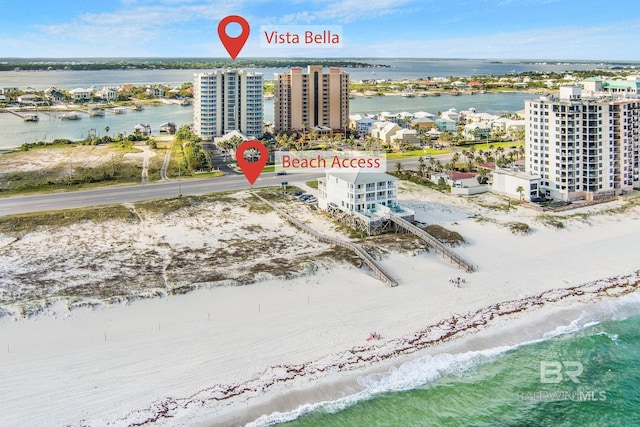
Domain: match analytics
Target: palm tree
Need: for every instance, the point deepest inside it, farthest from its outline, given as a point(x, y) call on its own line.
point(421, 165)
point(455, 159)
point(470, 159)
point(520, 190)
point(398, 167)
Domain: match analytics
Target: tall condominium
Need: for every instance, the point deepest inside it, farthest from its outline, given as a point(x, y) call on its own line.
point(582, 147)
point(227, 100)
point(311, 100)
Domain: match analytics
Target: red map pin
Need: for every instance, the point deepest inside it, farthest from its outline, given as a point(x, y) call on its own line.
point(252, 169)
point(233, 44)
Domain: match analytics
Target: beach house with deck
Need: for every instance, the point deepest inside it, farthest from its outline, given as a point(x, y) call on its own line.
point(361, 199)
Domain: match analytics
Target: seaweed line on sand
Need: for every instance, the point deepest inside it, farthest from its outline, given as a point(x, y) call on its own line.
point(362, 356)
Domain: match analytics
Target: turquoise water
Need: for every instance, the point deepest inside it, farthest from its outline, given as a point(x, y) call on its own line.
point(506, 386)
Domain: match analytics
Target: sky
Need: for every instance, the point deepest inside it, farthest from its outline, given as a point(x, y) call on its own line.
point(500, 29)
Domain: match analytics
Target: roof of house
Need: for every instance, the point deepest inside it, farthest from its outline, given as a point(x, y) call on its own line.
point(621, 84)
point(456, 176)
point(522, 175)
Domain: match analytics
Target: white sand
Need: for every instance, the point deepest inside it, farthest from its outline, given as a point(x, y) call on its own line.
point(119, 364)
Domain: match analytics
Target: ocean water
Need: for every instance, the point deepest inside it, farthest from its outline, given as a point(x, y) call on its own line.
point(529, 384)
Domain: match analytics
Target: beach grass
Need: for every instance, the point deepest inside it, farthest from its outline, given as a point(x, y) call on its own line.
point(24, 223)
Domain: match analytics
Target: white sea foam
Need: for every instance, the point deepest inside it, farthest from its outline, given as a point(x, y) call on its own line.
point(427, 369)
point(409, 375)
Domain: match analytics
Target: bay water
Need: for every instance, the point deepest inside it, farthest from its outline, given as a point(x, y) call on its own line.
point(15, 132)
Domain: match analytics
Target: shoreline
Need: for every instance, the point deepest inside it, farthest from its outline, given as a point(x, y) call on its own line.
point(453, 335)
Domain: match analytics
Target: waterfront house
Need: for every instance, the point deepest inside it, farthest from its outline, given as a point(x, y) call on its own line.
point(451, 114)
point(80, 94)
point(361, 199)
point(357, 190)
point(424, 114)
point(142, 129)
point(168, 127)
point(53, 94)
point(155, 91)
point(29, 99)
point(107, 93)
point(386, 116)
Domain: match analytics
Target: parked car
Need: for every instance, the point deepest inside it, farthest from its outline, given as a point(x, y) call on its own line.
point(281, 173)
point(297, 193)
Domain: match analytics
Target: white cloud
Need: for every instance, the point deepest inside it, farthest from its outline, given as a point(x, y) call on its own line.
point(129, 28)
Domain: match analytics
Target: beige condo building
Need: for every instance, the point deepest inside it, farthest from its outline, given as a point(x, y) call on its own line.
point(311, 100)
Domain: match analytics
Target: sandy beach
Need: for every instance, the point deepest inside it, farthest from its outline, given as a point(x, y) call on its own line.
point(225, 354)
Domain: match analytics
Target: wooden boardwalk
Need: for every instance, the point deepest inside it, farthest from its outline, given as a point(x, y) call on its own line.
point(378, 270)
point(437, 245)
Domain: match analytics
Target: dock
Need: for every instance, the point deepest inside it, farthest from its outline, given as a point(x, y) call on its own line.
point(25, 117)
point(378, 270)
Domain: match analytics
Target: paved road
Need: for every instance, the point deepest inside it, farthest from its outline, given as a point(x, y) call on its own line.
point(158, 190)
point(136, 193)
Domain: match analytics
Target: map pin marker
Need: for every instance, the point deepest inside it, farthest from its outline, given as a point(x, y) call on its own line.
point(252, 169)
point(233, 44)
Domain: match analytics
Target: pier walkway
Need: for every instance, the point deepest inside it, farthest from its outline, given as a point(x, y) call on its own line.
point(437, 245)
point(378, 270)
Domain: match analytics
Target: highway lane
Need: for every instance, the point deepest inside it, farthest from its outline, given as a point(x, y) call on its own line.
point(159, 190)
point(136, 193)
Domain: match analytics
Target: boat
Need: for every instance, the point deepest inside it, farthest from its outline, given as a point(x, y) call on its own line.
point(31, 118)
point(408, 94)
point(96, 112)
point(70, 116)
point(185, 102)
point(137, 107)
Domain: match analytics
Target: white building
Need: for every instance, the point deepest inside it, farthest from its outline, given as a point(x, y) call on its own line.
point(107, 93)
point(384, 130)
point(357, 191)
point(80, 93)
point(507, 182)
point(155, 91)
point(582, 147)
point(361, 124)
point(451, 114)
point(227, 100)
